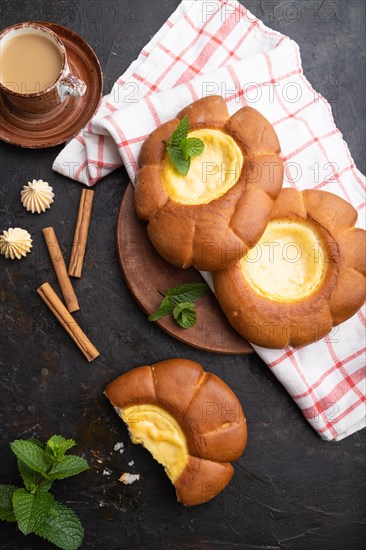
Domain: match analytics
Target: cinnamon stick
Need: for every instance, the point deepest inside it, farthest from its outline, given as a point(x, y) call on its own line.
point(60, 269)
point(54, 303)
point(81, 233)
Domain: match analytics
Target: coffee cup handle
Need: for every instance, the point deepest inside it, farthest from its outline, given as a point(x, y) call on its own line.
point(71, 85)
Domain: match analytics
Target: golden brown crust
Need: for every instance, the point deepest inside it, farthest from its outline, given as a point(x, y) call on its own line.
point(348, 296)
point(150, 196)
point(208, 112)
point(153, 148)
point(175, 245)
point(217, 416)
point(202, 480)
point(253, 132)
point(265, 172)
point(212, 240)
point(272, 324)
point(207, 410)
point(334, 213)
point(168, 388)
point(122, 391)
point(253, 217)
point(352, 248)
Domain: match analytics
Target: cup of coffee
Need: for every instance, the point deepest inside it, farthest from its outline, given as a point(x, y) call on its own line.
point(34, 72)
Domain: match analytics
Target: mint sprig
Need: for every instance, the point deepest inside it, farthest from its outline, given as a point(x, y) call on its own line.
point(179, 301)
point(33, 507)
point(181, 148)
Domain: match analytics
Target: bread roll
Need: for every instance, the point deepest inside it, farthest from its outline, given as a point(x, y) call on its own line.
point(190, 421)
point(210, 218)
point(305, 275)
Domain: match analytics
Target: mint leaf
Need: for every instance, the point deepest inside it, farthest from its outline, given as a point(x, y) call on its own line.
point(31, 479)
point(178, 160)
point(183, 165)
point(68, 466)
point(31, 454)
point(192, 147)
point(190, 292)
point(185, 314)
point(164, 309)
point(181, 149)
point(37, 442)
point(57, 446)
point(6, 502)
point(62, 527)
point(31, 509)
point(181, 132)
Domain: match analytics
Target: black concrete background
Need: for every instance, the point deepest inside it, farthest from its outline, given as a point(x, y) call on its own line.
point(291, 490)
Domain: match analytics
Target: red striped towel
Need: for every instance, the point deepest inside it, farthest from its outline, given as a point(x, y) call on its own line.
point(219, 47)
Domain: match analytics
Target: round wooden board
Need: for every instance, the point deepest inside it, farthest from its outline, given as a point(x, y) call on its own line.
point(145, 271)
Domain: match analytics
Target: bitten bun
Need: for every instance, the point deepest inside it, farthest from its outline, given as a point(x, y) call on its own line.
point(189, 419)
point(210, 235)
point(312, 289)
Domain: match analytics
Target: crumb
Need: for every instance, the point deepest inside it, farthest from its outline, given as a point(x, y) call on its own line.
point(119, 446)
point(127, 478)
point(96, 456)
point(107, 472)
point(131, 463)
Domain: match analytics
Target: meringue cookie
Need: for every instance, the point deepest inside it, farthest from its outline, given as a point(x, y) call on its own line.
point(37, 196)
point(15, 243)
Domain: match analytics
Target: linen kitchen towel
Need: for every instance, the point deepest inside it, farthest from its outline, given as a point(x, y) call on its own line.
point(219, 47)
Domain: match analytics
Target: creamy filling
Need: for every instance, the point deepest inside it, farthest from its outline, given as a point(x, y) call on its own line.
point(288, 263)
point(211, 174)
point(160, 434)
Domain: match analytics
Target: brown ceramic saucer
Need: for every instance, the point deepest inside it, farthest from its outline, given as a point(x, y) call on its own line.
point(145, 271)
point(65, 121)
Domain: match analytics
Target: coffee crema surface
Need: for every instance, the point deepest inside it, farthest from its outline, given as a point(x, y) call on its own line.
point(29, 63)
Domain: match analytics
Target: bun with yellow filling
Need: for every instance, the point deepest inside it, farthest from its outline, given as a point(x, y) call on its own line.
point(190, 421)
point(210, 217)
point(305, 275)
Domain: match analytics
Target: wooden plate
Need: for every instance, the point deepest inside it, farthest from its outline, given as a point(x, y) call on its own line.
point(145, 271)
point(49, 129)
